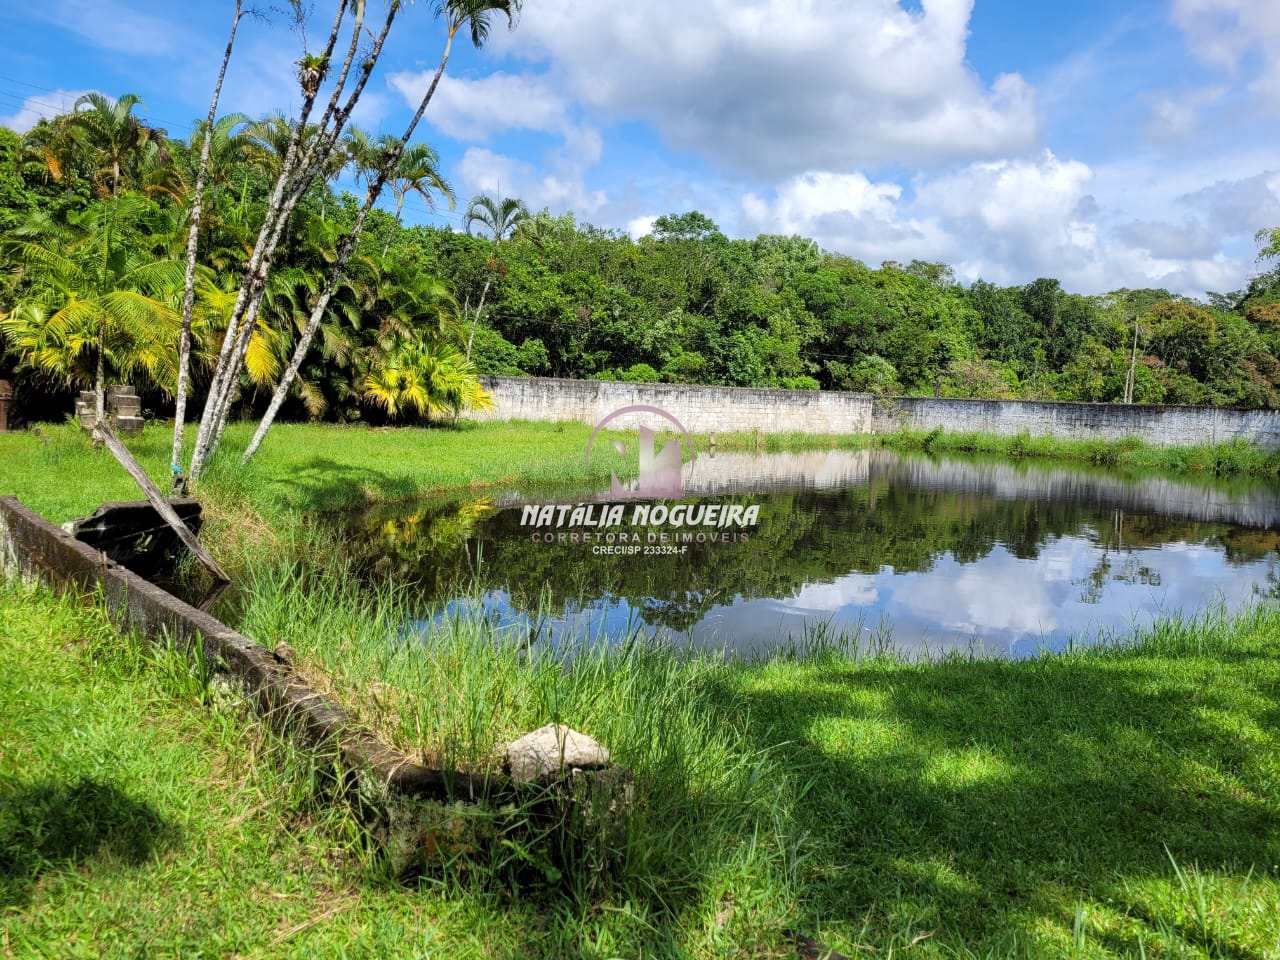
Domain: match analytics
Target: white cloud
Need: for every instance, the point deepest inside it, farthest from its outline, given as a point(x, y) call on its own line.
point(847, 213)
point(778, 88)
point(483, 171)
point(1225, 32)
point(1174, 117)
point(1012, 220)
point(641, 226)
point(1173, 241)
point(1016, 216)
point(476, 109)
point(1242, 206)
point(39, 107)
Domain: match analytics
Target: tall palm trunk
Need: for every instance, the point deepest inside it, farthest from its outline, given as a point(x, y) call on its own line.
point(240, 327)
point(400, 197)
point(259, 266)
point(100, 389)
point(345, 250)
point(193, 241)
point(1130, 378)
point(476, 319)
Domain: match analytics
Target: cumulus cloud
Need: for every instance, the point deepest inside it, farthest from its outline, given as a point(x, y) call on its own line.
point(1240, 206)
point(40, 107)
point(1011, 220)
point(476, 109)
point(780, 88)
point(1016, 215)
point(1225, 32)
point(848, 213)
point(482, 171)
point(641, 226)
point(1168, 240)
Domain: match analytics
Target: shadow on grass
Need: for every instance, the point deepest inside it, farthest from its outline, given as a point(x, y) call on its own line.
point(53, 825)
point(322, 485)
point(983, 801)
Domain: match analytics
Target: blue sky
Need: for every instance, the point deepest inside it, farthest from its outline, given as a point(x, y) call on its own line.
point(1105, 143)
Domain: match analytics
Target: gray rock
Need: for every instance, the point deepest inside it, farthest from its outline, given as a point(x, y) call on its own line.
point(551, 751)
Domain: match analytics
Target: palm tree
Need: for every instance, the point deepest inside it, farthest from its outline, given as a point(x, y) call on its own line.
point(111, 133)
point(50, 151)
point(98, 300)
point(473, 14)
point(228, 148)
point(405, 301)
point(501, 217)
point(426, 378)
point(267, 145)
point(417, 170)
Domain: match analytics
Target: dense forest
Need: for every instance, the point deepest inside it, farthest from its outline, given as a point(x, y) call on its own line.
point(92, 229)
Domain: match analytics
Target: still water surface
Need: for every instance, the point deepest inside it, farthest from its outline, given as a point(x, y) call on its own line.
point(938, 554)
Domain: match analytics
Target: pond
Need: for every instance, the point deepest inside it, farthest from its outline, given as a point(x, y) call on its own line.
point(927, 554)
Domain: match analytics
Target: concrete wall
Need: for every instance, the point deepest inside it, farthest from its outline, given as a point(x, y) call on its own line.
point(699, 409)
point(735, 409)
point(1168, 426)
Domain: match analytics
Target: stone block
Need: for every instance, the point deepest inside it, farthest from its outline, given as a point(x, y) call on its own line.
point(552, 751)
point(123, 408)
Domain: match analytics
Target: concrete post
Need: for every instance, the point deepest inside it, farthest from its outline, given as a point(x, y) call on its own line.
point(6, 394)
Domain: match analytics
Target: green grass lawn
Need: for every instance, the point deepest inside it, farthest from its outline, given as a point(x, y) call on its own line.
point(139, 820)
point(302, 466)
point(1102, 803)
point(1095, 804)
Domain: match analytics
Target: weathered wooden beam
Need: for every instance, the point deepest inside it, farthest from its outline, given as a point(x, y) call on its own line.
point(134, 469)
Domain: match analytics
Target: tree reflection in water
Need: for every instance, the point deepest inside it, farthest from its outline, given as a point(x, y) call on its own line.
point(945, 551)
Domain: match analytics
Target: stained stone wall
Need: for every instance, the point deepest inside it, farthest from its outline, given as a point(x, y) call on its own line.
point(704, 409)
point(1160, 425)
point(700, 409)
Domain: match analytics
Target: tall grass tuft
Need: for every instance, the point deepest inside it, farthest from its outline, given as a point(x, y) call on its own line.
point(709, 804)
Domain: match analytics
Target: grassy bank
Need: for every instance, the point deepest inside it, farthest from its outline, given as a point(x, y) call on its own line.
point(1121, 802)
point(138, 817)
point(324, 467)
point(1096, 804)
point(1111, 802)
point(304, 467)
point(1234, 459)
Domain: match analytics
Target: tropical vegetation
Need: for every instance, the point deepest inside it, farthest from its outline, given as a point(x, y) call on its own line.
point(516, 293)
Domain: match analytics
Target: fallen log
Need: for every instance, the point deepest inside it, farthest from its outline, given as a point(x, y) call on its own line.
point(158, 500)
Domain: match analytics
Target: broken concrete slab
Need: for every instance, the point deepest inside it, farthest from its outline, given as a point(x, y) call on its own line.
point(134, 535)
point(551, 751)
